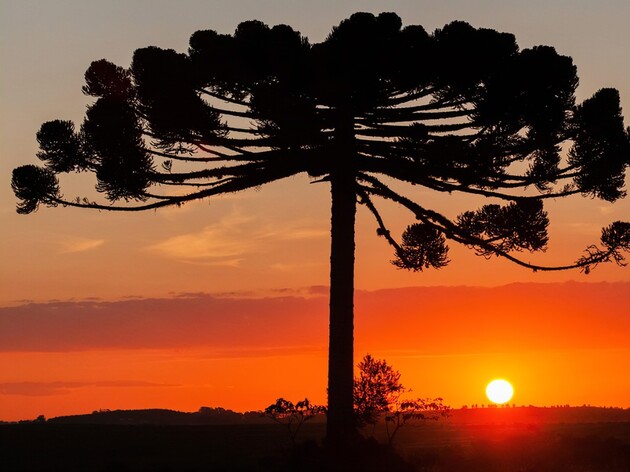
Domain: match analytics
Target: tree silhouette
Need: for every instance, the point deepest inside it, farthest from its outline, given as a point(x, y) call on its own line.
point(376, 388)
point(459, 110)
point(378, 393)
point(293, 416)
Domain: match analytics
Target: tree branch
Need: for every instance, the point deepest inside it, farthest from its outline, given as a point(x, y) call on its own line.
point(224, 98)
point(382, 229)
point(394, 131)
point(232, 185)
point(407, 171)
point(409, 115)
point(218, 158)
point(452, 231)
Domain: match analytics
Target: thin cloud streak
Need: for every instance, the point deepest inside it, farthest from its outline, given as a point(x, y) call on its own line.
point(568, 352)
point(80, 245)
point(41, 389)
point(228, 241)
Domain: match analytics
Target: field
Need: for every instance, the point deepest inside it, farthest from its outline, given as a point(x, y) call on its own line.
point(449, 447)
point(533, 448)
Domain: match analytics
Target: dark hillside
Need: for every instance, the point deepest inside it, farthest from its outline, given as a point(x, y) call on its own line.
point(221, 416)
point(539, 415)
point(205, 416)
point(108, 448)
point(473, 440)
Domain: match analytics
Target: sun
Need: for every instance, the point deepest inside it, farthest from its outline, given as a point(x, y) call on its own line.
point(499, 391)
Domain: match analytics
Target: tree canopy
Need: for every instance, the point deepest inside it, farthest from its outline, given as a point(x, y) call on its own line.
point(456, 110)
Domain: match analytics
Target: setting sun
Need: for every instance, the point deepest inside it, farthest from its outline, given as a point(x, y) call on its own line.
point(499, 391)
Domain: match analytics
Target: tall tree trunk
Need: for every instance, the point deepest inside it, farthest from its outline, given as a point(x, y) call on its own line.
point(341, 425)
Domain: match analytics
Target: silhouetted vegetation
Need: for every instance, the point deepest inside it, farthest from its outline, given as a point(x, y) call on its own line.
point(293, 416)
point(445, 446)
point(205, 416)
point(376, 389)
point(379, 394)
point(489, 414)
point(459, 110)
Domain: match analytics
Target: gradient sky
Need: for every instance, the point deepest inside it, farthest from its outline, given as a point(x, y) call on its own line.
point(266, 251)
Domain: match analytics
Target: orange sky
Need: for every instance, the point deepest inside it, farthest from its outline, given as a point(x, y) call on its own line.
point(206, 278)
point(566, 344)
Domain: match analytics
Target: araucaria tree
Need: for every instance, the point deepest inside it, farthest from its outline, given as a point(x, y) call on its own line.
point(459, 110)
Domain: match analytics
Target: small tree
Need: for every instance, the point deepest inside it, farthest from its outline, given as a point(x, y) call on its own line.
point(375, 389)
point(408, 411)
point(378, 393)
point(293, 416)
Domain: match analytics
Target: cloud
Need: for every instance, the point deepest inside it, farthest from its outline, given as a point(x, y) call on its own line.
point(210, 244)
point(589, 228)
point(260, 352)
point(422, 320)
point(229, 241)
point(40, 389)
point(294, 233)
point(219, 323)
point(80, 245)
point(319, 289)
point(606, 209)
point(302, 267)
point(217, 243)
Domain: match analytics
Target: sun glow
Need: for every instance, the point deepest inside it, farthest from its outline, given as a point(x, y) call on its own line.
point(499, 391)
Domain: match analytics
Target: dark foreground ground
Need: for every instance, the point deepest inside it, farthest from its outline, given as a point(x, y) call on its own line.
point(51, 447)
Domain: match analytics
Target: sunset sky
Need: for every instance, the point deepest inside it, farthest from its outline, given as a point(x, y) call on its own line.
point(224, 302)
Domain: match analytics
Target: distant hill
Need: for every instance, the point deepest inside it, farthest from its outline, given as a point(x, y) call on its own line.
point(539, 415)
point(221, 416)
point(205, 416)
